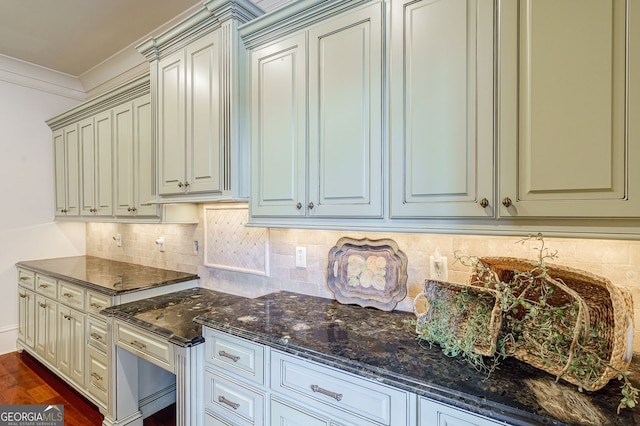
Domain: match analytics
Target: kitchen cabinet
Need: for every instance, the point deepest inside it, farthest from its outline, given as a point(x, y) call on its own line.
point(96, 167)
point(134, 152)
point(441, 109)
point(71, 343)
point(46, 330)
point(66, 169)
point(431, 413)
point(568, 109)
point(196, 72)
point(321, 155)
point(26, 308)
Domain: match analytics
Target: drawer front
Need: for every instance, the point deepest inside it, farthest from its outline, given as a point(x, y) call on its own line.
point(96, 371)
point(46, 286)
point(336, 392)
point(235, 355)
point(26, 279)
point(145, 345)
point(97, 302)
point(435, 414)
point(234, 400)
point(71, 295)
point(97, 334)
point(211, 419)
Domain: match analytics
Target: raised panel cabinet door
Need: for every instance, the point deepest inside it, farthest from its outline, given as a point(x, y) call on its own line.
point(124, 160)
point(278, 129)
point(72, 163)
point(87, 166)
point(171, 123)
point(205, 139)
point(71, 345)
point(26, 317)
point(46, 329)
point(568, 129)
point(345, 115)
point(60, 172)
point(441, 116)
point(286, 414)
point(103, 164)
point(431, 413)
point(144, 172)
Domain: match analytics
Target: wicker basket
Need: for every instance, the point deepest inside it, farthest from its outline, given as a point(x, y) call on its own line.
point(458, 308)
point(609, 312)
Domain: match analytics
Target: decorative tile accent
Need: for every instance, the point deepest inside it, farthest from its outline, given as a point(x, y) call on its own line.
point(230, 245)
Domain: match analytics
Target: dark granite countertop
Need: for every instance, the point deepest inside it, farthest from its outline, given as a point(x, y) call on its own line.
point(104, 275)
point(171, 315)
point(382, 346)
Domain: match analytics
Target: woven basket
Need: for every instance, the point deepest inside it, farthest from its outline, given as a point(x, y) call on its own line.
point(456, 308)
point(609, 312)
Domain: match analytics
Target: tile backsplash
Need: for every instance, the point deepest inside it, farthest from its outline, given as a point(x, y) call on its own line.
point(617, 260)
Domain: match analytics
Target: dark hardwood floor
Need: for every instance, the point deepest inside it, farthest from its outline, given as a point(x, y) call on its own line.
point(23, 380)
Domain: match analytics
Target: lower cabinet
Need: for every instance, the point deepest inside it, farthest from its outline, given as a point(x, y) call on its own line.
point(71, 344)
point(432, 413)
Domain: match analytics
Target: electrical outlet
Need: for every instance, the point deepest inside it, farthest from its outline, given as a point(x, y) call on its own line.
point(118, 239)
point(438, 268)
point(160, 243)
point(301, 257)
point(195, 246)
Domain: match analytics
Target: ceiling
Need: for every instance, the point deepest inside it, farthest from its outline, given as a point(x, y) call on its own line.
point(73, 36)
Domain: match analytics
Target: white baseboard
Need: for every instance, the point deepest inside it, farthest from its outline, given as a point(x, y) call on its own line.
point(8, 337)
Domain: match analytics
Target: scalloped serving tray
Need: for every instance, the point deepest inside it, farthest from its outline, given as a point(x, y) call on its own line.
point(369, 273)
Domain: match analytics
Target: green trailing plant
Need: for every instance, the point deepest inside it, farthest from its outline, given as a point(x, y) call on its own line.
point(542, 318)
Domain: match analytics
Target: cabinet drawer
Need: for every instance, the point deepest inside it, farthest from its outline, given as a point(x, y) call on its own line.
point(97, 302)
point(235, 355)
point(46, 286)
point(233, 399)
point(97, 379)
point(71, 295)
point(336, 392)
point(26, 279)
point(145, 345)
point(97, 334)
point(435, 414)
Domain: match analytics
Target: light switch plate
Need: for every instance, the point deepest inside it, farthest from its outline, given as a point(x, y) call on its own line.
point(301, 257)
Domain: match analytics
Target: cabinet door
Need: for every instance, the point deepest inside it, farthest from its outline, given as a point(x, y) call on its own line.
point(123, 152)
point(59, 173)
point(71, 344)
point(46, 329)
point(434, 414)
point(26, 317)
point(66, 164)
point(278, 128)
point(87, 166)
point(103, 164)
point(144, 172)
point(292, 415)
point(568, 119)
point(441, 116)
point(204, 158)
point(171, 123)
point(345, 115)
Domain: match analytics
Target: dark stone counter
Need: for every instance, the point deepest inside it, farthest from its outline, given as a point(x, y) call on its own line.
point(171, 315)
point(382, 346)
point(104, 275)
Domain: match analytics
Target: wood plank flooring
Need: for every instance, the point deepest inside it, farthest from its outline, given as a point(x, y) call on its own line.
point(23, 380)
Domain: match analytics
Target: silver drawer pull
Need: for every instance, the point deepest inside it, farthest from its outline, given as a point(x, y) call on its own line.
point(137, 344)
point(96, 306)
point(96, 336)
point(231, 404)
point(68, 295)
point(96, 376)
point(234, 358)
point(318, 389)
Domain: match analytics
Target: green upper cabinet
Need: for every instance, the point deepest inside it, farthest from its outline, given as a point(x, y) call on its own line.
point(66, 169)
point(195, 75)
point(96, 183)
point(569, 108)
point(318, 155)
point(441, 108)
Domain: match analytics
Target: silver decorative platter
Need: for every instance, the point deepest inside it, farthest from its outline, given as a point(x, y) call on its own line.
point(368, 273)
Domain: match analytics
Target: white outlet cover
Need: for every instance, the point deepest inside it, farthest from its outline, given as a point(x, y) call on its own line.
point(301, 257)
point(438, 269)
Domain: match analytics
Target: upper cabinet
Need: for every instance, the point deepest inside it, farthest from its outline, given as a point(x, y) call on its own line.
point(195, 83)
point(96, 183)
point(569, 102)
point(317, 112)
point(65, 155)
point(441, 108)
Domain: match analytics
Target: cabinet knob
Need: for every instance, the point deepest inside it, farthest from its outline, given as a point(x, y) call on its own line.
point(484, 203)
point(179, 184)
point(310, 206)
point(506, 202)
point(299, 206)
point(128, 209)
point(186, 184)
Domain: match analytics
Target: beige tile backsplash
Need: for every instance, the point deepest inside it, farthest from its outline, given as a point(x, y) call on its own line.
point(616, 260)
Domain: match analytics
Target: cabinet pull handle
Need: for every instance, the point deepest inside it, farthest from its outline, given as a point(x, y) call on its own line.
point(23, 295)
point(42, 305)
point(96, 306)
point(133, 209)
point(506, 202)
point(231, 404)
point(96, 376)
point(96, 336)
point(484, 203)
point(299, 206)
point(318, 389)
point(234, 358)
point(43, 285)
point(67, 317)
point(24, 278)
point(68, 295)
point(179, 184)
point(186, 184)
point(137, 344)
point(310, 206)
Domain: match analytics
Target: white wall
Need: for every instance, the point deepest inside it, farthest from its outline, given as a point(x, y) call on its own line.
point(27, 229)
